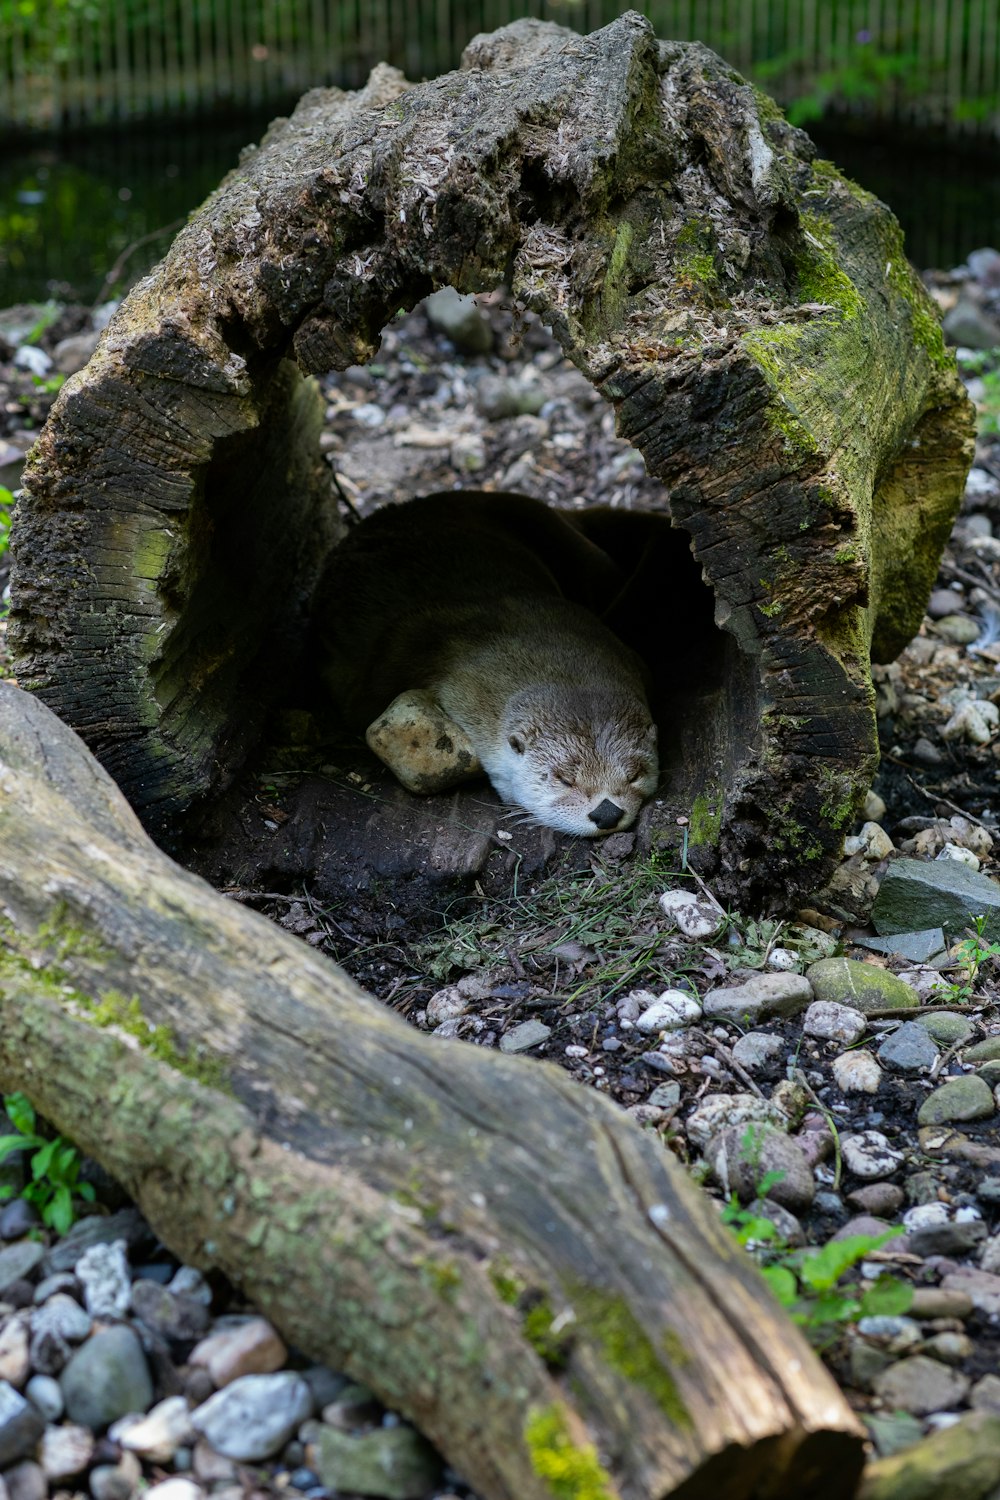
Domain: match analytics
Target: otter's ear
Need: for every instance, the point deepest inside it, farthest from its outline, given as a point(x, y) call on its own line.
point(516, 743)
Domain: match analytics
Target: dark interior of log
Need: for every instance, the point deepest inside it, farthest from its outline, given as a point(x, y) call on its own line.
point(349, 824)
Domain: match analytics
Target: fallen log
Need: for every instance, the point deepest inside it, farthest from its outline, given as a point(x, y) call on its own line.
point(498, 1253)
point(747, 311)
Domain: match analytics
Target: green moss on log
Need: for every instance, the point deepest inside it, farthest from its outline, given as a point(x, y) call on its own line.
point(571, 1470)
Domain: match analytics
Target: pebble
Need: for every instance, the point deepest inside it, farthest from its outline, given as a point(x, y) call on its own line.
point(63, 1317)
point(21, 1425)
point(14, 1361)
point(103, 1273)
point(968, 1098)
point(523, 1037)
point(459, 318)
point(946, 1028)
point(106, 1377)
point(985, 1051)
point(254, 1417)
point(936, 1302)
point(869, 1155)
point(909, 1049)
point(446, 1005)
point(174, 1316)
point(176, 1488)
point(45, 1393)
point(695, 916)
point(981, 1287)
point(250, 1347)
point(393, 1463)
point(18, 1261)
point(65, 1451)
point(742, 1158)
point(920, 1385)
point(861, 986)
point(985, 1394)
point(17, 1218)
point(156, 1436)
point(26, 1481)
point(857, 1073)
point(116, 1481)
point(950, 1348)
point(723, 1111)
point(759, 997)
point(883, 1199)
point(671, 1011)
point(756, 1050)
point(832, 1022)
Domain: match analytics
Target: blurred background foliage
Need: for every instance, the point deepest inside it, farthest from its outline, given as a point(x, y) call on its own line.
point(120, 115)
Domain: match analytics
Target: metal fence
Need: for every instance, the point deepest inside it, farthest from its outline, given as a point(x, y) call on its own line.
point(67, 64)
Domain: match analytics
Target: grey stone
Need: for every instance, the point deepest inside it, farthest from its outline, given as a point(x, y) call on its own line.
point(254, 1417)
point(958, 1237)
point(968, 327)
point(171, 1314)
point(860, 986)
point(755, 1050)
point(106, 1377)
point(880, 1198)
point(915, 947)
point(985, 1394)
point(968, 1098)
point(459, 318)
point(62, 1281)
point(959, 630)
point(949, 1347)
point(893, 1432)
point(988, 1191)
point(989, 1073)
point(921, 1385)
point(788, 1228)
point(665, 1096)
point(394, 1463)
point(919, 893)
point(127, 1224)
point(45, 1393)
point(945, 1027)
point(944, 602)
point(742, 1158)
point(525, 1036)
point(111, 1482)
point(63, 1316)
point(18, 1218)
point(761, 996)
point(26, 1481)
point(730, 1111)
point(909, 1049)
point(499, 397)
point(103, 1272)
point(325, 1384)
point(935, 1302)
point(21, 1425)
point(71, 354)
point(17, 1262)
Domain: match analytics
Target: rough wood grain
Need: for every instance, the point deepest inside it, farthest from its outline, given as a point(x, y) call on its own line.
point(748, 312)
point(498, 1253)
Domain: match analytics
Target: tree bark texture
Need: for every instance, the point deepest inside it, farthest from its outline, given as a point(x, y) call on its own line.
point(498, 1253)
point(748, 312)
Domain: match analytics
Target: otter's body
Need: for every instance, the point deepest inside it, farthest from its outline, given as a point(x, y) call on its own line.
point(458, 603)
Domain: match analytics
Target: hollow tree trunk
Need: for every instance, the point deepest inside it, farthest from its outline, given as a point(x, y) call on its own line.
point(749, 313)
point(499, 1253)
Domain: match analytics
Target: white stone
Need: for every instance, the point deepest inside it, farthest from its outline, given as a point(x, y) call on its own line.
point(756, 1049)
point(695, 916)
point(925, 1216)
point(65, 1451)
point(189, 1282)
point(856, 1073)
point(869, 1155)
point(830, 1021)
point(446, 1005)
point(156, 1436)
point(960, 855)
point(255, 1416)
point(34, 360)
point(974, 721)
point(103, 1272)
point(63, 1317)
point(672, 1011)
point(875, 842)
point(783, 959)
point(725, 1111)
point(874, 809)
point(175, 1488)
point(926, 981)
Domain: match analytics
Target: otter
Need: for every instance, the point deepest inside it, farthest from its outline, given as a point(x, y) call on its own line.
point(458, 632)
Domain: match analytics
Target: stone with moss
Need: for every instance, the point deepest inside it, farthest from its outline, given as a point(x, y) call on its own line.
point(864, 987)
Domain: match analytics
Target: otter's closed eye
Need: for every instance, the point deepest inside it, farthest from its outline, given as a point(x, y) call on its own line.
point(516, 744)
point(565, 778)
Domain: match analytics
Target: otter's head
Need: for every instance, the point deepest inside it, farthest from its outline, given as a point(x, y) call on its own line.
point(582, 761)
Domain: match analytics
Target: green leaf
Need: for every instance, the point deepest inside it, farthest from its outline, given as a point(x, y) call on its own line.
point(11, 1143)
point(823, 1268)
point(20, 1112)
point(887, 1297)
point(87, 1191)
point(42, 1159)
point(59, 1213)
point(782, 1283)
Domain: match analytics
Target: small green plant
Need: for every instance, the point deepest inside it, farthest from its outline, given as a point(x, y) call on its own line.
point(49, 385)
point(55, 1166)
point(6, 505)
point(972, 955)
point(805, 1281)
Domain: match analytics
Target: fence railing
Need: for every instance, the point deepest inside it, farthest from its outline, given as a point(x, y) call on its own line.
point(66, 64)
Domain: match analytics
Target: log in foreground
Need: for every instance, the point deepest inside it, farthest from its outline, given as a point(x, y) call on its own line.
point(748, 312)
point(501, 1255)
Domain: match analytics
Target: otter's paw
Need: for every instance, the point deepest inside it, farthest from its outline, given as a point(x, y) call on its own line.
point(422, 747)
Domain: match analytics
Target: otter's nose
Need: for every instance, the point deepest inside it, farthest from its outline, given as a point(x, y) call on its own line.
point(606, 814)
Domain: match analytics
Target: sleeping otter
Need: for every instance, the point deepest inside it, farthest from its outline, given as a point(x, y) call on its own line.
point(446, 634)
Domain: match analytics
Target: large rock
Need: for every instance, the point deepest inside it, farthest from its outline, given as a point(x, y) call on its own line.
point(106, 1377)
point(394, 1463)
point(861, 986)
point(919, 893)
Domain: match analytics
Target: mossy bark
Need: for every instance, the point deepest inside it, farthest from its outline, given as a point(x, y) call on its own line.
point(748, 312)
point(498, 1253)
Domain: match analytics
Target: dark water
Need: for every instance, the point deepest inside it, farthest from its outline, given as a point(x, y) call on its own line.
point(68, 211)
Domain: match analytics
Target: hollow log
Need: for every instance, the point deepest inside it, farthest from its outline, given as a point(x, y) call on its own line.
point(749, 313)
point(500, 1254)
